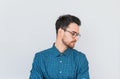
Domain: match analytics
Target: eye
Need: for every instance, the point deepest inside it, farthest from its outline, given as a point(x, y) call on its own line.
point(74, 33)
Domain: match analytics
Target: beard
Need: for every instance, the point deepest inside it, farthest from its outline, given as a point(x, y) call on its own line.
point(69, 44)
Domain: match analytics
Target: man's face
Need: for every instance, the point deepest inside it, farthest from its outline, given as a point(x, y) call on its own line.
point(71, 35)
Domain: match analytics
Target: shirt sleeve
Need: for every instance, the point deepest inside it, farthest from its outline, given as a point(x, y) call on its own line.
point(83, 70)
point(36, 72)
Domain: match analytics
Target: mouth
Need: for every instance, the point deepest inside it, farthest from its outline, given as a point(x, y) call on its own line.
point(74, 41)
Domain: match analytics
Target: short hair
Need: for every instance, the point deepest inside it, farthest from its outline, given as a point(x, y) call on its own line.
point(64, 20)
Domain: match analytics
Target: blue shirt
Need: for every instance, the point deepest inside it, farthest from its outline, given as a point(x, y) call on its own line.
point(51, 64)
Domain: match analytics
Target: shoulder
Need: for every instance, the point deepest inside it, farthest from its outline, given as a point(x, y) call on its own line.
point(43, 52)
point(78, 53)
point(79, 56)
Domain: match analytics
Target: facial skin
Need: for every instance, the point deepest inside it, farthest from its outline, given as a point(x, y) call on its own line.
point(67, 39)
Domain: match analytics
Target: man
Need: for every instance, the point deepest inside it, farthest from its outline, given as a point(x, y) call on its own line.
point(61, 61)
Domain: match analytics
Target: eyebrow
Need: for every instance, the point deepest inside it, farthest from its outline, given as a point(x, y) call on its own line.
point(75, 32)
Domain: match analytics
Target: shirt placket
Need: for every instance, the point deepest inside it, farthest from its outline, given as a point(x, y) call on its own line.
point(60, 68)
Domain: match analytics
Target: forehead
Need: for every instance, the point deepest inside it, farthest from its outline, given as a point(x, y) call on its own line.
point(73, 27)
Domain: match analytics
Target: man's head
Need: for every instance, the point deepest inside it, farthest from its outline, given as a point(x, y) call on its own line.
point(67, 29)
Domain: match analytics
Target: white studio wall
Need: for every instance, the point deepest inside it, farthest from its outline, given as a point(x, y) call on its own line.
point(27, 26)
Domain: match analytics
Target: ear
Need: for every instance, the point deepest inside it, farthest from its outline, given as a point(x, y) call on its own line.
point(61, 32)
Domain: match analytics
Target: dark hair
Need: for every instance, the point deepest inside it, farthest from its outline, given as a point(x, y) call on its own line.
point(64, 20)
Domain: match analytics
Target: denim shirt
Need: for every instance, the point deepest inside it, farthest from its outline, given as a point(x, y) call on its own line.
point(51, 64)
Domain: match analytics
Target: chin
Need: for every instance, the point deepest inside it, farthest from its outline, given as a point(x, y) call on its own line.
point(71, 46)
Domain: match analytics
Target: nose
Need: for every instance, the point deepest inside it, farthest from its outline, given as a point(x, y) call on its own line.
point(76, 38)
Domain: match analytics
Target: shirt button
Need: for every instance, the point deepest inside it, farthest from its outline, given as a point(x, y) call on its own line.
point(60, 72)
point(61, 61)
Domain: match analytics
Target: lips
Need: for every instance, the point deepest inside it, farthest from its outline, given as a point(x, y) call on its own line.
point(74, 41)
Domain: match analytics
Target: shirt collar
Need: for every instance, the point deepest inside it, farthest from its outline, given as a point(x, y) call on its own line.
point(56, 52)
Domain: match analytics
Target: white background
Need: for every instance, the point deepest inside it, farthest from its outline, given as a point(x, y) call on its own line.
point(27, 26)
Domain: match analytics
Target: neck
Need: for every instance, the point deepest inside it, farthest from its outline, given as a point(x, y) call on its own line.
point(60, 46)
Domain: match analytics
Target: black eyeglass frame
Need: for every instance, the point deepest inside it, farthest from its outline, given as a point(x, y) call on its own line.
point(73, 33)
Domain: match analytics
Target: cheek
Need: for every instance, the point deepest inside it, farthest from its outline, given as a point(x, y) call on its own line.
point(67, 38)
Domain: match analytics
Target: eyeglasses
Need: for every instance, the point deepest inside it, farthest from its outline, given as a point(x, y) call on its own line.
point(73, 33)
